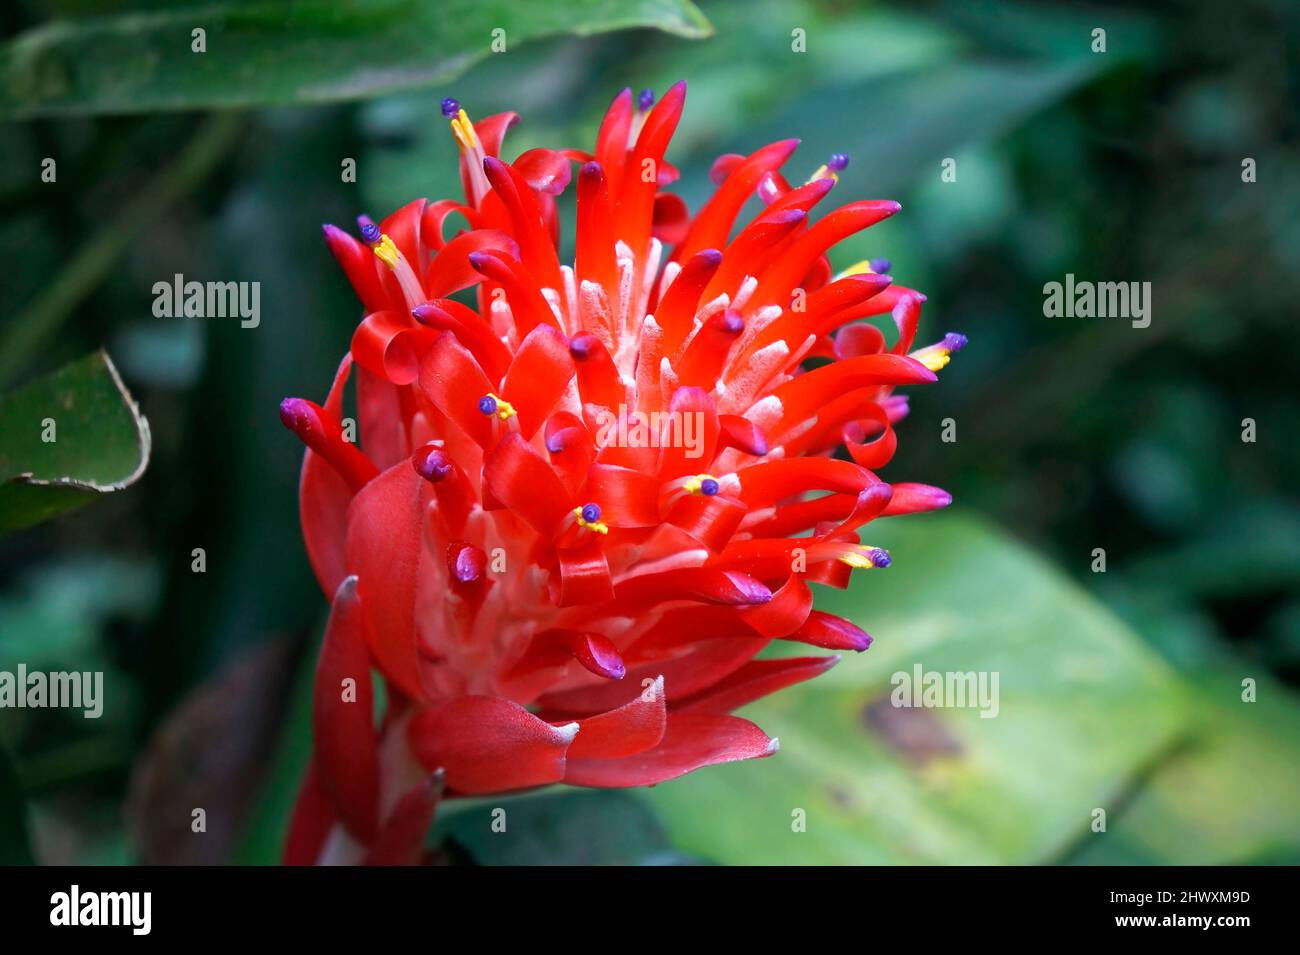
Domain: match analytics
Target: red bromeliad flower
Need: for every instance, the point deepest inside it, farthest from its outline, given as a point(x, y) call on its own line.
point(581, 508)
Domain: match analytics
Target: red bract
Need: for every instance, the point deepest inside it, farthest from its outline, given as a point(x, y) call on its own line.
point(579, 509)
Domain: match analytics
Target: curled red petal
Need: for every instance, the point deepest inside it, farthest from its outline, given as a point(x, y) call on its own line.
point(634, 727)
point(754, 681)
point(545, 170)
point(692, 741)
point(486, 744)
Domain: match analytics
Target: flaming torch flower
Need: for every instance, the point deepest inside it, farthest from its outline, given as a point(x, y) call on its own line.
point(581, 507)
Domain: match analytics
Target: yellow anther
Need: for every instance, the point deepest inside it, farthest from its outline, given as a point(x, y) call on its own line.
point(386, 251)
point(464, 131)
point(862, 557)
point(598, 526)
point(504, 409)
point(857, 268)
point(936, 359)
point(695, 484)
point(822, 172)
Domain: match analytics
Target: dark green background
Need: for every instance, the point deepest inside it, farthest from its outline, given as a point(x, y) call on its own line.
point(1120, 690)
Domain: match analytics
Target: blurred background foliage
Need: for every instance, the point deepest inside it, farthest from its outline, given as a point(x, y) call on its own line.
point(1120, 690)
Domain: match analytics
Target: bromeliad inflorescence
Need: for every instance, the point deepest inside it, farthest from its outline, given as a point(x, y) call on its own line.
point(545, 602)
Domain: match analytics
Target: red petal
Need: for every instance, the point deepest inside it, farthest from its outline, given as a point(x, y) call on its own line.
point(323, 499)
point(670, 219)
point(693, 740)
point(451, 269)
point(627, 497)
point(584, 576)
point(545, 170)
point(755, 680)
point(454, 382)
point(487, 744)
point(683, 676)
point(310, 825)
point(346, 755)
point(402, 840)
point(538, 376)
point(831, 633)
point(384, 551)
point(914, 498)
point(632, 728)
point(521, 480)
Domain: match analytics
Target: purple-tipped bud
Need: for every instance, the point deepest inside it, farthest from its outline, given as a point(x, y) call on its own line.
point(370, 233)
point(296, 414)
point(731, 322)
point(880, 266)
point(580, 346)
point(466, 562)
point(712, 258)
point(450, 107)
point(708, 487)
point(954, 341)
point(487, 404)
point(837, 161)
point(555, 443)
point(431, 315)
point(879, 557)
point(591, 513)
point(432, 464)
point(645, 99)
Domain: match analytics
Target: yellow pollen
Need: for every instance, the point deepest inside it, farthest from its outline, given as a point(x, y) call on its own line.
point(464, 131)
point(505, 410)
point(386, 251)
point(857, 268)
point(856, 560)
point(693, 484)
point(822, 172)
point(598, 526)
point(936, 360)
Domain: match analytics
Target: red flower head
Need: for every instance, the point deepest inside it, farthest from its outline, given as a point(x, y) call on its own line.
point(580, 508)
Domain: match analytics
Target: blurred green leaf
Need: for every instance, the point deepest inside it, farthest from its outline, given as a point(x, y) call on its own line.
point(342, 50)
point(1083, 707)
point(66, 438)
point(561, 827)
point(15, 844)
point(1231, 796)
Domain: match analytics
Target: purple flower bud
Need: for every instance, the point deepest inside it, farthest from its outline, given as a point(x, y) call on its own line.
point(708, 487)
point(591, 513)
point(645, 99)
point(879, 557)
point(880, 266)
point(954, 341)
point(837, 161)
point(370, 233)
point(450, 107)
point(487, 404)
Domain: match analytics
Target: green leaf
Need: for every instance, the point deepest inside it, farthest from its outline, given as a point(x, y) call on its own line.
point(559, 827)
point(15, 844)
point(1083, 706)
point(67, 438)
point(282, 53)
point(1229, 796)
